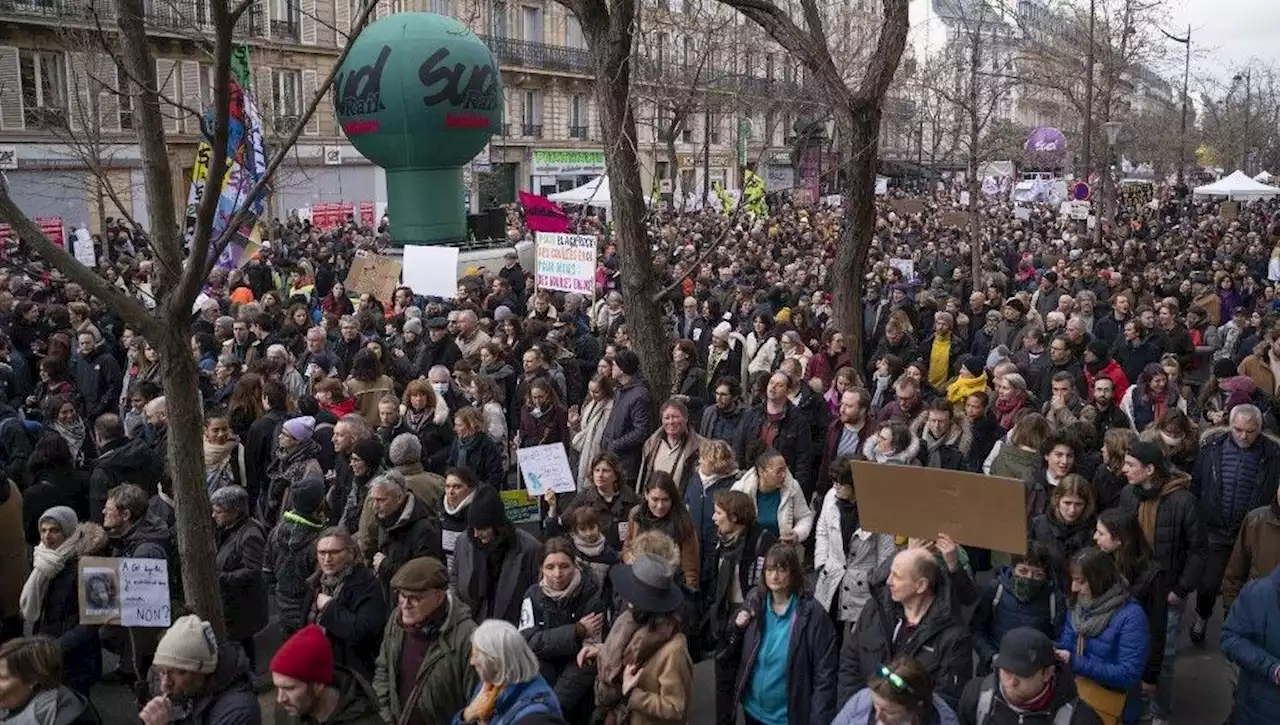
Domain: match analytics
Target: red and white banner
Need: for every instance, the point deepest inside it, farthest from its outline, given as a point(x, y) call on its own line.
point(50, 226)
point(366, 214)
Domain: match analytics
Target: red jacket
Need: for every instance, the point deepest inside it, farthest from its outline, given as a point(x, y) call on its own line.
point(1120, 381)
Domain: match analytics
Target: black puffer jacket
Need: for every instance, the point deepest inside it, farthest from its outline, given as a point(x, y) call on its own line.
point(1062, 539)
point(1180, 541)
point(548, 627)
point(291, 559)
point(353, 619)
point(414, 533)
point(794, 441)
point(941, 642)
point(121, 461)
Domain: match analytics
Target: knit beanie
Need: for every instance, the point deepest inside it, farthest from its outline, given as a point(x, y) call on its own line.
point(627, 361)
point(370, 451)
point(308, 495)
point(1099, 349)
point(414, 326)
point(306, 656)
point(189, 645)
point(486, 510)
point(64, 516)
point(1223, 369)
point(972, 363)
point(300, 428)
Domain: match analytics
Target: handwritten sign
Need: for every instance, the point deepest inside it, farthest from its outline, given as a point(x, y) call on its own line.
point(546, 468)
point(127, 592)
point(566, 262)
point(521, 508)
point(373, 274)
point(83, 246)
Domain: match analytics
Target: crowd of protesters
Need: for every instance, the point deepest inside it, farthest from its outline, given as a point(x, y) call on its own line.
point(356, 451)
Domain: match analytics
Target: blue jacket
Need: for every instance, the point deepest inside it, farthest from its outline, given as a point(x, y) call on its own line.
point(1117, 657)
point(811, 659)
point(992, 620)
point(858, 711)
point(521, 701)
point(1251, 639)
point(701, 504)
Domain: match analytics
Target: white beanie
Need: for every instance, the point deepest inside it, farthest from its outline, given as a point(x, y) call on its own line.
point(189, 645)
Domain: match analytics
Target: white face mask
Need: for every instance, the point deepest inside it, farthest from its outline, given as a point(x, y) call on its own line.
point(440, 388)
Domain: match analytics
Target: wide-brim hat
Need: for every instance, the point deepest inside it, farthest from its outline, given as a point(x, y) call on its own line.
point(647, 584)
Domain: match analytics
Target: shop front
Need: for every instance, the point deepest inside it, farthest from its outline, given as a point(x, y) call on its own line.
point(553, 170)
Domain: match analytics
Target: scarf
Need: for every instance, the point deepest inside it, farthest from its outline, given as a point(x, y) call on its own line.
point(480, 709)
point(962, 388)
point(559, 596)
point(850, 521)
point(73, 434)
point(1090, 619)
point(591, 549)
point(331, 584)
point(1007, 409)
point(46, 565)
point(1149, 505)
point(216, 455)
point(461, 507)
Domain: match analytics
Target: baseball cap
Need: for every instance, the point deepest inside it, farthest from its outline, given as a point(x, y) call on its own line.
point(1024, 652)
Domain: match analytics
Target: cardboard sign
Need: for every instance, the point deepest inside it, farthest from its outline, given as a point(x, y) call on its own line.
point(975, 510)
point(566, 262)
point(127, 592)
point(1229, 210)
point(954, 219)
point(546, 468)
point(431, 271)
point(374, 274)
point(907, 207)
point(521, 508)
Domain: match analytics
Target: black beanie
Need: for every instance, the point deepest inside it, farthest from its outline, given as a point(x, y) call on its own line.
point(486, 510)
point(1223, 369)
point(627, 361)
point(1099, 349)
point(308, 496)
point(370, 451)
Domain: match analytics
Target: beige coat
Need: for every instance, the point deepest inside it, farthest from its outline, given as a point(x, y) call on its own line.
point(662, 695)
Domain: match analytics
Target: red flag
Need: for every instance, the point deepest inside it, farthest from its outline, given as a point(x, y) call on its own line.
point(542, 214)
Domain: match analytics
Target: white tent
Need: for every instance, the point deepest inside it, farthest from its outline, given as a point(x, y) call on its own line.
point(1238, 186)
point(1264, 177)
point(593, 193)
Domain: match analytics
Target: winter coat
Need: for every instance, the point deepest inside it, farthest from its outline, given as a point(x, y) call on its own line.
point(1256, 553)
point(1112, 370)
point(548, 627)
point(941, 642)
point(60, 705)
point(718, 605)
point(1013, 461)
point(288, 466)
point(480, 454)
point(98, 379)
point(794, 515)
point(999, 611)
point(290, 559)
point(445, 679)
point(831, 446)
point(1116, 658)
point(909, 456)
point(860, 710)
point(353, 619)
point(811, 658)
point(415, 532)
point(121, 461)
point(699, 498)
point(950, 454)
point(227, 697)
point(1137, 405)
point(1063, 540)
point(522, 703)
point(630, 423)
point(521, 567)
point(1039, 490)
point(1251, 640)
point(664, 693)
point(240, 578)
point(1180, 542)
point(1207, 483)
point(79, 644)
point(1000, 712)
point(685, 538)
point(435, 432)
point(357, 703)
point(1150, 590)
point(847, 565)
point(793, 440)
point(693, 386)
point(617, 514)
point(721, 425)
point(684, 459)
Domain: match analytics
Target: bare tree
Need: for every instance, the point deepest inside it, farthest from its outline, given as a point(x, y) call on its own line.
point(181, 268)
point(856, 97)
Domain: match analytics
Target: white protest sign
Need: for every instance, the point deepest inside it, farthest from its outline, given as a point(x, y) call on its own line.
point(906, 266)
point(964, 198)
point(82, 245)
point(431, 271)
point(566, 262)
point(546, 468)
point(1079, 209)
point(127, 592)
point(1021, 212)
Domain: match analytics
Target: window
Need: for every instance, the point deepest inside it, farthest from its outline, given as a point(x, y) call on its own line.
point(286, 98)
point(284, 19)
point(578, 116)
point(573, 33)
point(44, 87)
point(768, 66)
point(531, 115)
point(687, 55)
point(498, 23)
point(206, 85)
point(662, 50)
point(125, 100)
point(532, 21)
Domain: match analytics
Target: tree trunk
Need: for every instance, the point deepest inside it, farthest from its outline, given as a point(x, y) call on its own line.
point(611, 51)
point(860, 130)
point(186, 469)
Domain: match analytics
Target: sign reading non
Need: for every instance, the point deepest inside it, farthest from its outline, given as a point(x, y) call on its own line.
point(566, 262)
point(127, 592)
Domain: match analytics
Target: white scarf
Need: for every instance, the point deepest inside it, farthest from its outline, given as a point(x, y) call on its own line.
point(47, 564)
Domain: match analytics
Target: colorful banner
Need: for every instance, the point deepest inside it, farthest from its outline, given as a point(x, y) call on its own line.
point(330, 214)
point(366, 214)
point(543, 215)
point(566, 262)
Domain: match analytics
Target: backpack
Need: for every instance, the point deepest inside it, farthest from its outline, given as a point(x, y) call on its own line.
point(987, 695)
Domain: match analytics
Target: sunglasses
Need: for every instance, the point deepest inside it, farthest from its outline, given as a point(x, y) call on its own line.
point(897, 682)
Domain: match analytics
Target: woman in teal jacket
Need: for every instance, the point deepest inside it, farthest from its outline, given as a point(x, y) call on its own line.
point(1106, 637)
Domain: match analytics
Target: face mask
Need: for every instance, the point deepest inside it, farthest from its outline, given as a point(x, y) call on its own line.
point(1026, 588)
point(1169, 440)
point(440, 388)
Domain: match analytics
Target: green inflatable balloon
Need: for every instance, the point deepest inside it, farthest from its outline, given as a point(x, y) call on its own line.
point(420, 95)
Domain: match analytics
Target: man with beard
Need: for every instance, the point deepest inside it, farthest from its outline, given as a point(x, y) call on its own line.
point(722, 420)
point(202, 681)
point(1102, 412)
point(846, 434)
point(496, 563)
point(406, 528)
point(423, 675)
point(310, 687)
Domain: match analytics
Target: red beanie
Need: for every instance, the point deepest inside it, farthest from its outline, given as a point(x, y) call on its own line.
point(305, 656)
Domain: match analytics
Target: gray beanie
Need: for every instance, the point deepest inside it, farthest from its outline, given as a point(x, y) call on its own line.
point(405, 449)
point(64, 516)
point(502, 313)
point(413, 325)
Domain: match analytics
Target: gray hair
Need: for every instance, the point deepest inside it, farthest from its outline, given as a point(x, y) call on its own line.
point(441, 372)
point(229, 360)
point(390, 480)
point(405, 449)
point(232, 497)
point(1246, 411)
point(1016, 381)
point(504, 657)
point(360, 428)
point(157, 405)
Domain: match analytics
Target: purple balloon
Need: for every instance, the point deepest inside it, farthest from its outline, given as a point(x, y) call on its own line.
point(1046, 144)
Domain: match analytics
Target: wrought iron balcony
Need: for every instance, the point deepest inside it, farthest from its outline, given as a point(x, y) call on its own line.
point(531, 130)
point(526, 54)
point(284, 29)
point(578, 132)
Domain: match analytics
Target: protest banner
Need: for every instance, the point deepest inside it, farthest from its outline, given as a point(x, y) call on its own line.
point(431, 271)
point(1022, 212)
point(543, 215)
point(975, 510)
point(954, 219)
point(53, 228)
point(521, 508)
point(546, 468)
point(1229, 210)
point(366, 214)
point(907, 207)
point(127, 592)
point(374, 274)
point(566, 262)
point(84, 251)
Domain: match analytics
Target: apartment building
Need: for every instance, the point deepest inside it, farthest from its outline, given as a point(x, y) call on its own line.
point(68, 138)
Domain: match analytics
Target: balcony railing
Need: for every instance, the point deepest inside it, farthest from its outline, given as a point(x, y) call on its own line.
point(528, 54)
point(531, 130)
point(284, 29)
point(578, 132)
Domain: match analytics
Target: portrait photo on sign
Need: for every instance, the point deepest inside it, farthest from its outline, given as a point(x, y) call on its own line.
point(101, 589)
